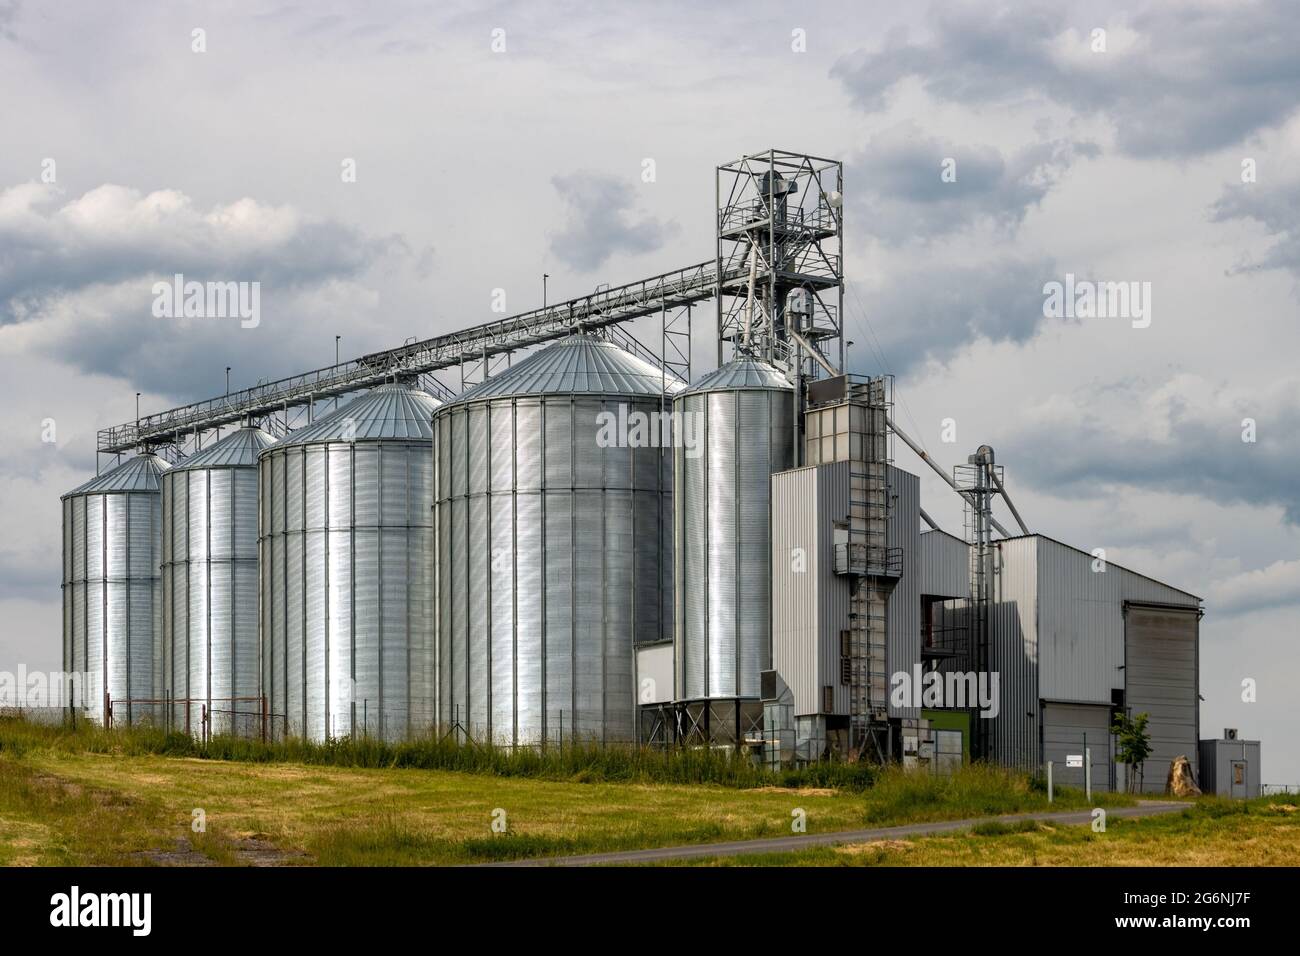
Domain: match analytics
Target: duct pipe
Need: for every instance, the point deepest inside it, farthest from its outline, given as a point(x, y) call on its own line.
point(997, 483)
point(920, 453)
point(831, 370)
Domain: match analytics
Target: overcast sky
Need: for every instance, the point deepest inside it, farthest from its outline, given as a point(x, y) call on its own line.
point(478, 170)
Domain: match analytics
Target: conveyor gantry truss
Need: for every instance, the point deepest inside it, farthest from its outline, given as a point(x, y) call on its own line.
point(604, 308)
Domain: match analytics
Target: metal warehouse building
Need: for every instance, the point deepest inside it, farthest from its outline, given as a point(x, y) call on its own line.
point(1076, 640)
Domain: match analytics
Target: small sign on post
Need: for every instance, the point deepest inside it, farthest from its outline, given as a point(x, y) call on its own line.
point(1074, 760)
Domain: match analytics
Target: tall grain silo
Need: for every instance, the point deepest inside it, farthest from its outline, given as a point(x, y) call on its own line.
point(723, 530)
point(210, 643)
point(347, 570)
point(554, 544)
point(112, 598)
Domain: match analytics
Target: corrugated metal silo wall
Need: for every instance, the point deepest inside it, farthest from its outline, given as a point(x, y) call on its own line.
point(112, 601)
point(810, 603)
point(554, 560)
point(1013, 653)
point(210, 643)
point(723, 539)
point(903, 612)
point(347, 578)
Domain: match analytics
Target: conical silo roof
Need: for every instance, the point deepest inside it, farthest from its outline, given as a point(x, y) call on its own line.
point(239, 449)
point(579, 364)
point(393, 411)
point(142, 473)
point(742, 373)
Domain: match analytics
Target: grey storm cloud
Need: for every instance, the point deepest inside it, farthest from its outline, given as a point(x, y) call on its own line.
point(1277, 209)
point(934, 314)
point(601, 221)
point(1197, 76)
point(8, 14)
point(113, 233)
point(1196, 450)
point(76, 282)
point(904, 194)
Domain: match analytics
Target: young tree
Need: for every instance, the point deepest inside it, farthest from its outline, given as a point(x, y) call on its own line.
point(1134, 745)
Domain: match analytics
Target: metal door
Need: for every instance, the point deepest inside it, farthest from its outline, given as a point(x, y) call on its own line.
point(1239, 778)
point(947, 751)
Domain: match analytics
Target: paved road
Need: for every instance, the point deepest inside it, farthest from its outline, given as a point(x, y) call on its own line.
point(806, 840)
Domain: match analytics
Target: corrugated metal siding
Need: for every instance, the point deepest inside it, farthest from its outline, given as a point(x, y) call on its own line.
point(809, 608)
point(945, 565)
point(551, 555)
point(112, 589)
point(903, 612)
point(1013, 653)
point(1215, 772)
point(1057, 633)
point(348, 644)
point(210, 636)
point(1080, 626)
point(1161, 671)
point(723, 622)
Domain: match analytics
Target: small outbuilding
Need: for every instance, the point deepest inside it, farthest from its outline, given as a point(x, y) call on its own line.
point(1230, 766)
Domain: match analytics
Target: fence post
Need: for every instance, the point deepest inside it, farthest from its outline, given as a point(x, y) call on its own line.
point(204, 716)
point(263, 718)
point(1049, 781)
point(72, 700)
point(1087, 773)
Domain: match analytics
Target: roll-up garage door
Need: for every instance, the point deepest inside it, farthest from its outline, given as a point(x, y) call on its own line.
point(1160, 658)
point(1070, 728)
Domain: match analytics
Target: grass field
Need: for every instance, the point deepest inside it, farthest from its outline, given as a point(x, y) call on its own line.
point(1210, 832)
point(97, 798)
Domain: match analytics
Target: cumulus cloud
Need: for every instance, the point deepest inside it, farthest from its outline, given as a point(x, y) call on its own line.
point(904, 196)
point(1276, 206)
point(1183, 436)
point(1277, 585)
point(76, 282)
point(601, 221)
point(934, 313)
point(1177, 79)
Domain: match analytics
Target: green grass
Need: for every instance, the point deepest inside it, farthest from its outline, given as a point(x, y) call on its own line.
point(1210, 832)
point(95, 796)
point(581, 762)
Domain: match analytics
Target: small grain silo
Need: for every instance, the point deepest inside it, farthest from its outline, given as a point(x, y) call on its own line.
point(112, 598)
point(347, 570)
point(210, 640)
point(723, 538)
point(553, 510)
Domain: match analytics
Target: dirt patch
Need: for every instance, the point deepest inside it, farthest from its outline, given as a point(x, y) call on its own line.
point(876, 846)
point(252, 850)
point(797, 791)
point(255, 851)
point(1283, 807)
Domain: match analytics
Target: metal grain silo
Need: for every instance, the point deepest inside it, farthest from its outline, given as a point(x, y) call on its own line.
point(347, 570)
point(112, 599)
point(722, 528)
point(210, 639)
point(553, 519)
